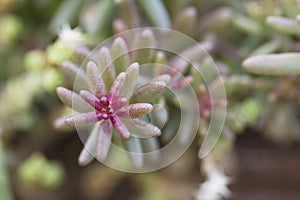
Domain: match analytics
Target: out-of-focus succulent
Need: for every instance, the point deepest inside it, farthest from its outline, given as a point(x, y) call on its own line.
point(243, 115)
point(11, 105)
point(103, 12)
point(10, 27)
point(32, 171)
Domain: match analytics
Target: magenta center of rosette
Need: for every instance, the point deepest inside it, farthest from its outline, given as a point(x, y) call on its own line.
point(103, 107)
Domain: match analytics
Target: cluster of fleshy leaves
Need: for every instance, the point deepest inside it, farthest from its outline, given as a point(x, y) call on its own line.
point(115, 63)
point(247, 95)
point(244, 92)
point(118, 104)
point(279, 60)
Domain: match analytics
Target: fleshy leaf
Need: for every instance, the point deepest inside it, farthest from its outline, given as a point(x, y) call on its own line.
point(156, 12)
point(193, 54)
point(142, 128)
point(159, 114)
point(135, 110)
point(284, 25)
point(120, 127)
point(120, 55)
point(101, 13)
point(90, 99)
point(106, 67)
point(216, 20)
point(72, 100)
point(135, 151)
point(274, 64)
point(148, 92)
point(86, 155)
point(246, 24)
point(119, 26)
point(117, 87)
point(266, 48)
point(66, 13)
point(104, 140)
point(72, 72)
point(95, 81)
point(81, 119)
point(185, 20)
point(128, 11)
point(160, 60)
point(171, 127)
point(151, 145)
point(132, 73)
point(143, 46)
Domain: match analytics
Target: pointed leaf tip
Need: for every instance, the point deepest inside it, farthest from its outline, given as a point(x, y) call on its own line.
point(95, 81)
point(120, 56)
point(156, 11)
point(106, 67)
point(117, 87)
point(132, 73)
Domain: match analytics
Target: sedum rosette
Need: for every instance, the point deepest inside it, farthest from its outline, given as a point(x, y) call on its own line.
point(110, 105)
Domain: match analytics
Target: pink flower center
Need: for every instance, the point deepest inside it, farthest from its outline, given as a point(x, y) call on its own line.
point(103, 107)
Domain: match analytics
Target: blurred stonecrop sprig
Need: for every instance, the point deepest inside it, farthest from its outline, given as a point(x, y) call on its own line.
point(278, 62)
point(10, 27)
point(262, 33)
point(235, 85)
point(134, 13)
point(32, 172)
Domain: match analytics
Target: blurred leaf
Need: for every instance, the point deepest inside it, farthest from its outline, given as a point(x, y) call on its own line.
point(156, 12)
point(274, 64)
point(65, 14)
point(283, 24)
point(97, 16)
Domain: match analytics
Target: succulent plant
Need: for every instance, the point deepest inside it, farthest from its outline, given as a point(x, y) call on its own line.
point(109, 103)
point(118, 101)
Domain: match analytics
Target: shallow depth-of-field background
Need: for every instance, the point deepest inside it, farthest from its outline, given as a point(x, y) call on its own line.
point(254, 43)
